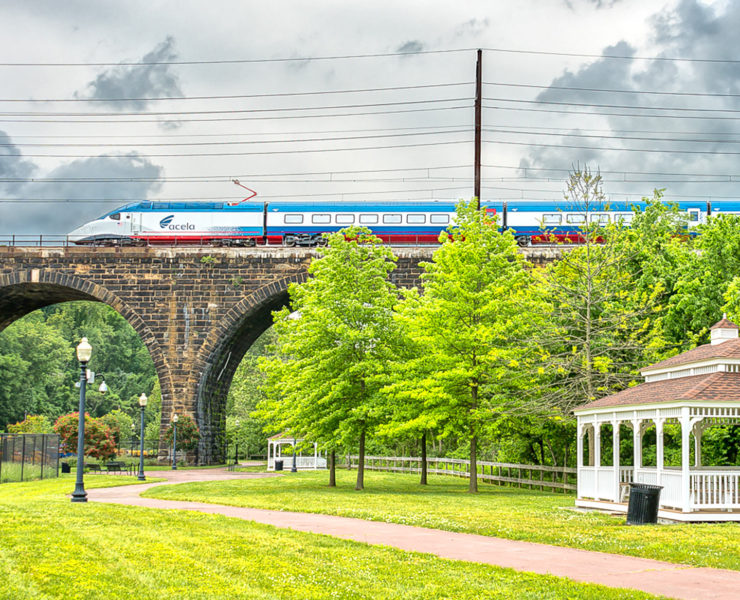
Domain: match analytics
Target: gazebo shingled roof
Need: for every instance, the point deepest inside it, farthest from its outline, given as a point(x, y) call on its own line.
point(728, 349)
point(712, 387)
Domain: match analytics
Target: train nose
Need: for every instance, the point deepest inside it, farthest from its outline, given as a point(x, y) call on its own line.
point(79, 234)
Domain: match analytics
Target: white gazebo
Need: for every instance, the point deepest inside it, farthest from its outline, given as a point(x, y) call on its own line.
point(694, 390)
point(274, 451)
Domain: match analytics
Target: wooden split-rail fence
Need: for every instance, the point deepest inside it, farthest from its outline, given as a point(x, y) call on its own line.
point(532, 476)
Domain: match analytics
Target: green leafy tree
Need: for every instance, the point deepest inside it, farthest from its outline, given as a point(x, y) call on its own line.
point(32, 424)
point(471, 323)
point(99, 441)
point(321, 382)
point(119, 423)
point(602, 300)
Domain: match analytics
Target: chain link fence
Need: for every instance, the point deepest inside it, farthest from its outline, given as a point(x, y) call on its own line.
point(26, 456)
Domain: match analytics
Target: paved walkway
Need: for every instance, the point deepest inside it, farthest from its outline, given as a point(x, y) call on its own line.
point(656, 577)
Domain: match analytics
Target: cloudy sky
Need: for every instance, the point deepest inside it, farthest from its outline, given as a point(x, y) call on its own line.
point(105, 103)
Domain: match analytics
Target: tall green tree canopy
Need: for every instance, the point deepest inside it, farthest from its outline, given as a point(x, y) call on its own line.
point(470, 327)
point(331, 344)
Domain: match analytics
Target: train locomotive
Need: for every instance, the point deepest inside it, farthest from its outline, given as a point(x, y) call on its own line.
point(304, 223)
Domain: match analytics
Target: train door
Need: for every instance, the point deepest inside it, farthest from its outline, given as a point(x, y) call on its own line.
point(135, 223)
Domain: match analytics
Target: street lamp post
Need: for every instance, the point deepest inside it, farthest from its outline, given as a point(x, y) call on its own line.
point(236, 451)
point(142, 404)
point(84, 352)
point(175, 419)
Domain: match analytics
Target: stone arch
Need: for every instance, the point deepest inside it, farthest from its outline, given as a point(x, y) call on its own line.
point(221, 353)
point(22, 292)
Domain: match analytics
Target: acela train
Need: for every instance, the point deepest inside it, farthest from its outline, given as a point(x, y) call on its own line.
point(303, 223)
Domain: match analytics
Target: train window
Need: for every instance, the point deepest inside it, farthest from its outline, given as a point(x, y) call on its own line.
point(416, 219)
point(116, 217)
point(293, 219)
point(368, 219)
point(392, 219)
point(575, 219)
point(345, 219)
point(439, 219)
point(601, 219)
point(321, 219)
point(625, 218)
point(552, 219)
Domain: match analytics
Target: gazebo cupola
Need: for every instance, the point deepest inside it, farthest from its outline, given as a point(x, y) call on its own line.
point(722, 331)
point(694, 390)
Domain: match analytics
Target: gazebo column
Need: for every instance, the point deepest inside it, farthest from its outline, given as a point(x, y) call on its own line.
point(685, 459)
point(637, 447)
point(615, 459)
point(315, 456)
point(698, 432)
point(659, 450)
point(597, 457)
point(590, 435)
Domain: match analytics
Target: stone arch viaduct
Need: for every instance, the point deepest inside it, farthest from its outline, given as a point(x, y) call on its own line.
point(197, 310)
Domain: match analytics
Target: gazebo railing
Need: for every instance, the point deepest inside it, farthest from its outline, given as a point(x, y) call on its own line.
point(715, 490)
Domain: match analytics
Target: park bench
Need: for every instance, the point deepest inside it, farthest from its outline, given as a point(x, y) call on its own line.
point(93, 468)
point(116, 467)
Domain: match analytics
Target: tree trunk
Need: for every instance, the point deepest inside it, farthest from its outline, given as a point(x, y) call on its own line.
point(473, 487)
point(333, 469)
point(361, 464)
point(424, 458)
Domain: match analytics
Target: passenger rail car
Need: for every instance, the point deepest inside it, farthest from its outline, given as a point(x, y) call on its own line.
point(303, 223)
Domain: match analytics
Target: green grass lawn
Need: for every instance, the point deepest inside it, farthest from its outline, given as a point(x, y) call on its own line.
point(52, 548)
point(505, 512)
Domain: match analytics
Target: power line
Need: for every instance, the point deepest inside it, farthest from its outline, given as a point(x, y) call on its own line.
point(252, 142)
point(224, 112)
point(226, 198)
point(225, 119)
point(227, 178)
point(613, 137)
point(612, 172)
point(236, 61)
point(222, 143)
point(364, 56)
point(651, 150)
point(250, 134)
point(243, 96)
point(608, 90)
point(621, 106)
point(609, 114)
point(613, 56)
point(260, 153)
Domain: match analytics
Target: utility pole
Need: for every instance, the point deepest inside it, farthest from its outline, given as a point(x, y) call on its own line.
point(478, 99)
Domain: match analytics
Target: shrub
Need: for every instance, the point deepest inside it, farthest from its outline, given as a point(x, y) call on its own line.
point(32, 424)
point(188, 434)
point(99, 440)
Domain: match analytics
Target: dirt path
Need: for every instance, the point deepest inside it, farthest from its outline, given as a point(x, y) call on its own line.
point(613, 570)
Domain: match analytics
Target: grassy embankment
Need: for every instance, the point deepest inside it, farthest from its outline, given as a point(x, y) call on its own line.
point(51, 548)
point(505, 512)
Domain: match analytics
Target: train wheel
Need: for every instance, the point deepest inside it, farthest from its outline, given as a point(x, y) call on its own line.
point(250, 243)
point(289, 240)
point(523, 241)
point(321, 241)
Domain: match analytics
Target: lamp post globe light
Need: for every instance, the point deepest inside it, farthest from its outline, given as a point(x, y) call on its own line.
point(175, 419)
point(84, 352)
point(142, 404)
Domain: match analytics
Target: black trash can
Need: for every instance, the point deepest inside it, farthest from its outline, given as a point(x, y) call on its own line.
point(66, 468)
point(278, 465)
point(644, 502)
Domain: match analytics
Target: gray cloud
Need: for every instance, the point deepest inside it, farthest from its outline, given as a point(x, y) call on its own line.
point(691, 29)
point(64, 215)
point(471, 28)
point(12, 166)
point(411, 46)
point(139, 82)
